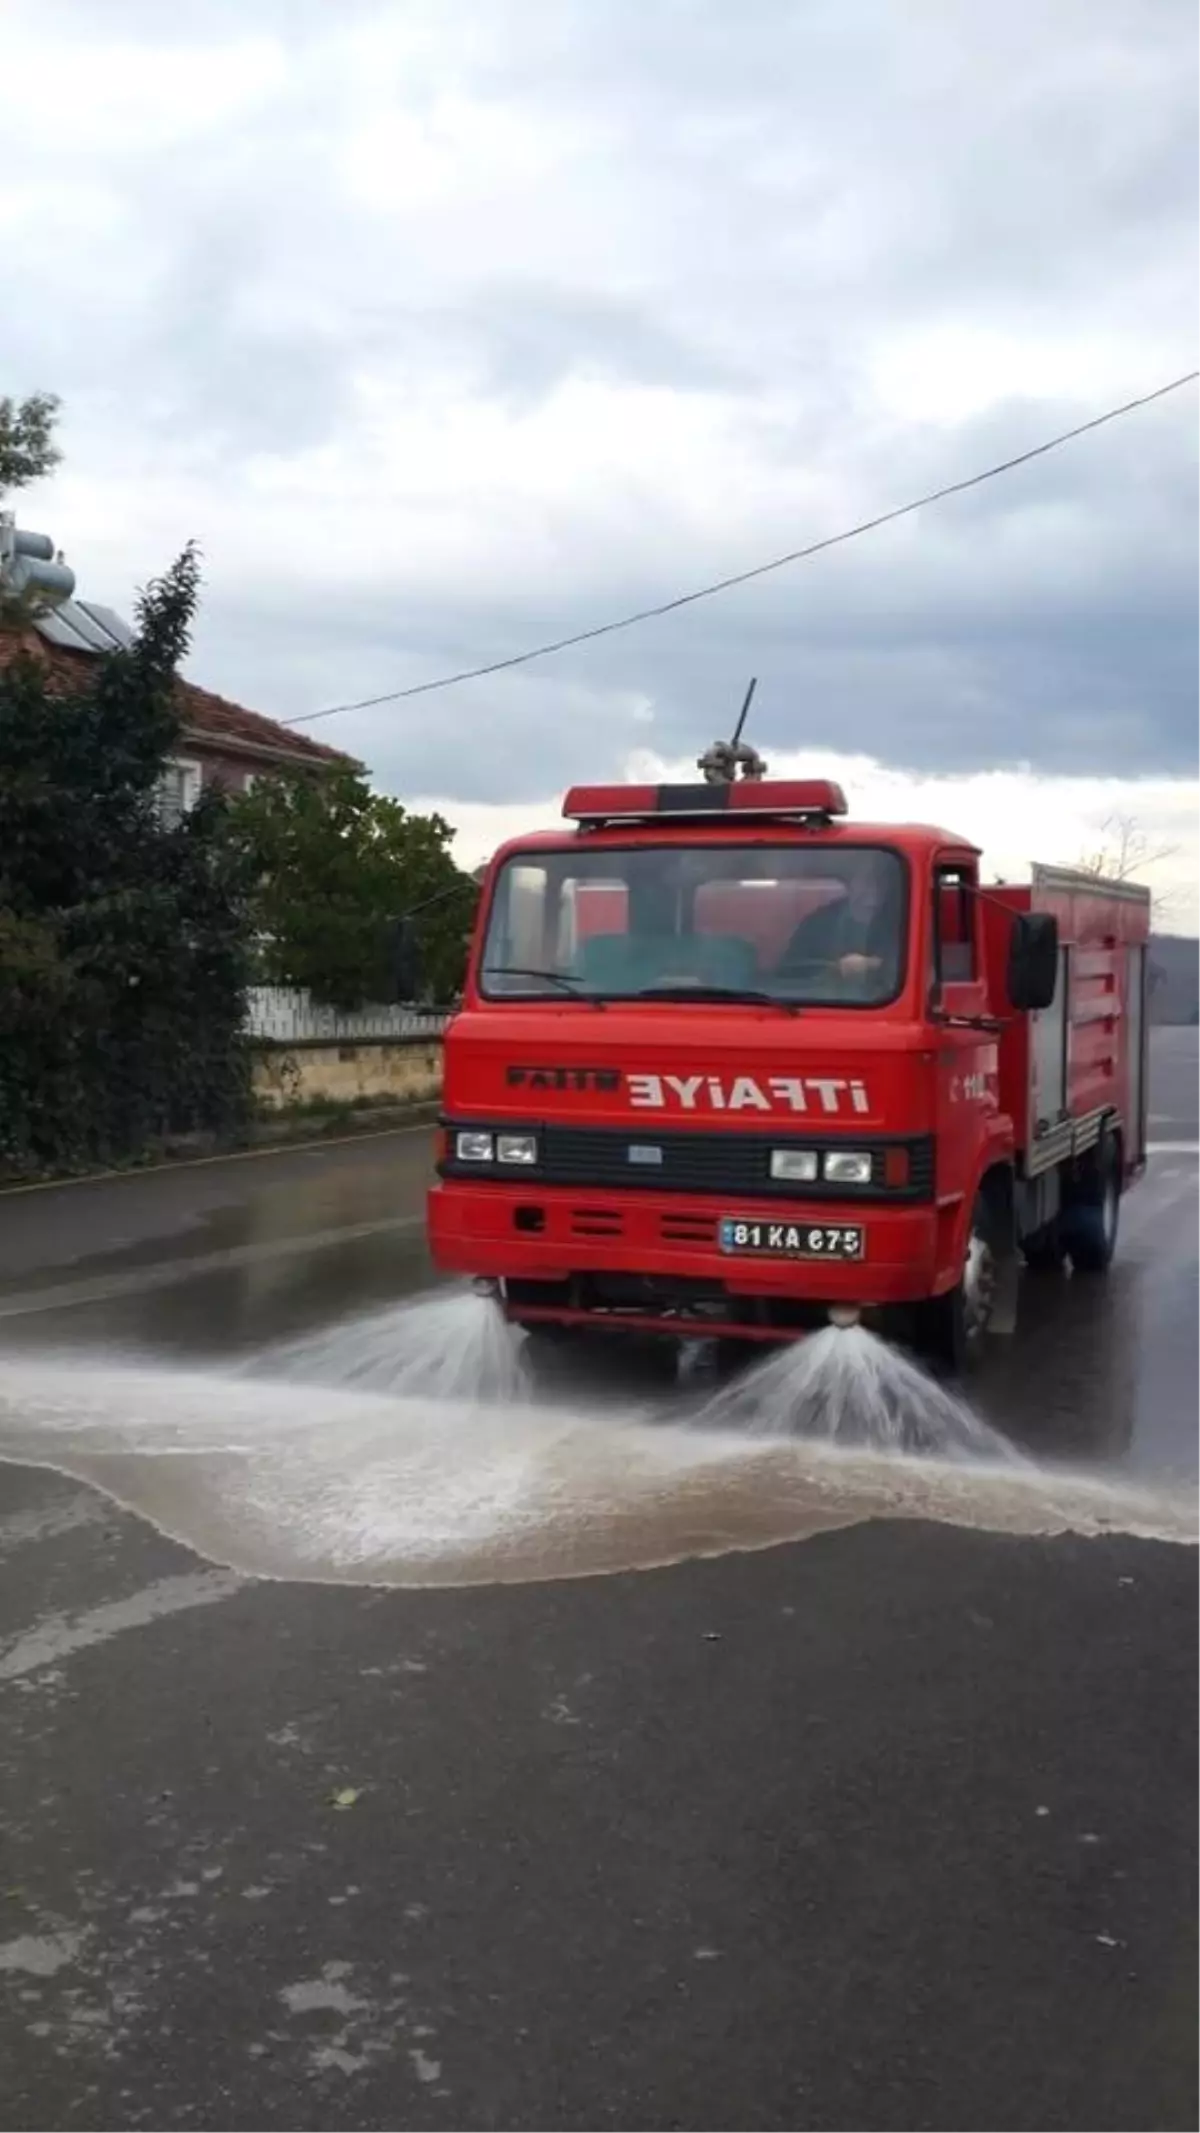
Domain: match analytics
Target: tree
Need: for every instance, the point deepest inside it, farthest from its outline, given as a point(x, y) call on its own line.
point(27, 448)
point(123, 953)
point(1125, 853)
point(336, 865)
point(27, 453)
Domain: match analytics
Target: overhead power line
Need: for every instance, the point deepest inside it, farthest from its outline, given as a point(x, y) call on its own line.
point(759, 570)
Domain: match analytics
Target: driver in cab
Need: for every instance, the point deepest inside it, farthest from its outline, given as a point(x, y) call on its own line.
point(854, 936)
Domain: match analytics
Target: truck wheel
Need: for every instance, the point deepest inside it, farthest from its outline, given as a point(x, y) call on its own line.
point(1092, 1214)
point(952, 1329)
point(732, 1356)
point(546, 1351)
point(1045, 1251)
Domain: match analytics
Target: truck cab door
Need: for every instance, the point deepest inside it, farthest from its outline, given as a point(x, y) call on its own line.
point(967, 1050)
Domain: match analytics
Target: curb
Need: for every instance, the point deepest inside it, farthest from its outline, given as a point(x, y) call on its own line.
point(264, 1140)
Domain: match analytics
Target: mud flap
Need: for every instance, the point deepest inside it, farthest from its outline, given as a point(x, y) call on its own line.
point(1003, 1318)
point(1002, 1235)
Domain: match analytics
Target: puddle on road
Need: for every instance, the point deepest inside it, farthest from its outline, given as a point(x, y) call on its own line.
point(358, 1458)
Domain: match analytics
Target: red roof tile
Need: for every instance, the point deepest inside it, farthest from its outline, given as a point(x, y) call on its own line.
point(206, 717)
point(216, 718)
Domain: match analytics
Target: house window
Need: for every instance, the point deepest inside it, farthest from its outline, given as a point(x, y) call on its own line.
point(178, 790)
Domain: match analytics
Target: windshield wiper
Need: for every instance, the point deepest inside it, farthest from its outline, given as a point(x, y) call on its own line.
point(521, 970)
point(747, 996)
point(744, 995)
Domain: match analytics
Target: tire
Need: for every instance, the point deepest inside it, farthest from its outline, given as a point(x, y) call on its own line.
point(1092, 1215)
point(1044, 1251)
point(546, 1351)
point(952, 1329)
point(732, 1356)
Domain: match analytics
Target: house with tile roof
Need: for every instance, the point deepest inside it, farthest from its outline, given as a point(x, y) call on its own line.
point(220, 742)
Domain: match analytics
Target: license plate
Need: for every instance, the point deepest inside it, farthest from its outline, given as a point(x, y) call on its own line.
point(792, 1240)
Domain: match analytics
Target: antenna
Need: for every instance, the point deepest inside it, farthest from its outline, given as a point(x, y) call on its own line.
point(747, 701)
point(720, 762)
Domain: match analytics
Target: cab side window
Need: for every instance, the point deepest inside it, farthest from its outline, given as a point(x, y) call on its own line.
point(955, 955)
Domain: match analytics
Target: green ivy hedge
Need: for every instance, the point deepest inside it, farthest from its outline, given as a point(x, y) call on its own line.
point(123, 939)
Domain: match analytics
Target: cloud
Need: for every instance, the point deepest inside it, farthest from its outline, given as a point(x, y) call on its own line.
point(449, 330)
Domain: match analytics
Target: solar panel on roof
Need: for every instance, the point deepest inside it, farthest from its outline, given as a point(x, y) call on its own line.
point(96, 639)
point(57, 625)
point(107, 619)
point(77, 628)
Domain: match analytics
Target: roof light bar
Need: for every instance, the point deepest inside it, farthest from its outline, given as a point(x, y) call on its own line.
point(749, 796)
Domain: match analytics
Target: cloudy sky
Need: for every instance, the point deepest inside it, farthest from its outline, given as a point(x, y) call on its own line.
point(448, 326)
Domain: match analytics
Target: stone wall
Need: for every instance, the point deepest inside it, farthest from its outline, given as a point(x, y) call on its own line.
point(386, 1070)
point(306, 1053)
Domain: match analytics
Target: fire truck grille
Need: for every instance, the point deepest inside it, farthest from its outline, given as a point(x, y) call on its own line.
point(728, 1165)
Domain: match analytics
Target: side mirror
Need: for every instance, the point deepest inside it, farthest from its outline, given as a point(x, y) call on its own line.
point(1032, 961)
point(407, 961)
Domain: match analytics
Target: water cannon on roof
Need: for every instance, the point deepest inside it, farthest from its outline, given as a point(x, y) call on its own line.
point(815, 802)
point(722, 762)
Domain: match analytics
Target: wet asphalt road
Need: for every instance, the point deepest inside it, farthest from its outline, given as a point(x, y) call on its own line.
point(895, 1828)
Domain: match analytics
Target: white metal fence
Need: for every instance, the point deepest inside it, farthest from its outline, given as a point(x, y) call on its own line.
point(280, 1015)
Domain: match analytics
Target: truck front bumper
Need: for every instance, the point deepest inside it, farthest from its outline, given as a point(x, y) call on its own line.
point(567, 1255)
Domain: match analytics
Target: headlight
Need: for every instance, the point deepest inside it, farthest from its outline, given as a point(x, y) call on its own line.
point(516, 1147)
point(847, 1166)
point(796, 1166)
point(474, 1147)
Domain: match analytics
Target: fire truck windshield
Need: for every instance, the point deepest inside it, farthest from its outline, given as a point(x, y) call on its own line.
point(798, 923)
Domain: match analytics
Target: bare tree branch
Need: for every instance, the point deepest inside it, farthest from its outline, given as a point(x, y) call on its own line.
point(1125, 853)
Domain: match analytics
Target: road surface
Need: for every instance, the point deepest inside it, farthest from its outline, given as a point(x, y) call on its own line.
point(894, 1827)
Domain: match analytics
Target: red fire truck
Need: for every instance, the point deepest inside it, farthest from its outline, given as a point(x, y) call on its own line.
point(729, 1065)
